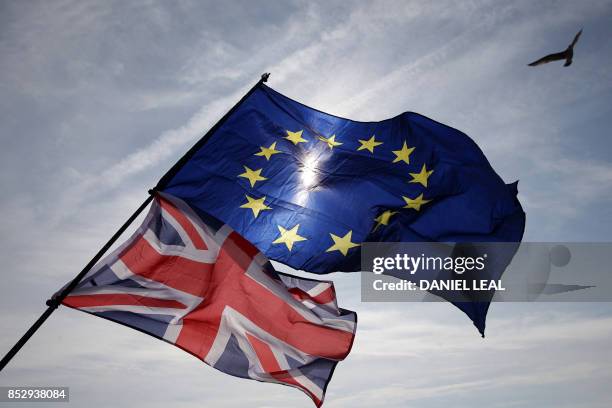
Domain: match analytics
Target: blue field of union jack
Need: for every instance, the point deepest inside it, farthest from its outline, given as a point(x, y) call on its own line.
point(191, 281)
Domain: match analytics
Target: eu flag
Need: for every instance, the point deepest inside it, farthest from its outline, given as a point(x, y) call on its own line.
point(308, 188)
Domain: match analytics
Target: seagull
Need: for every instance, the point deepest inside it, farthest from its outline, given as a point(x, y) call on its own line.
point(563, 55)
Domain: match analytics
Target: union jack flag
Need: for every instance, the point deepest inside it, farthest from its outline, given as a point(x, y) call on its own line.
point(187, 279)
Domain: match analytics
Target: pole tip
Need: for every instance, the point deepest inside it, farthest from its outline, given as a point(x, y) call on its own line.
point(265, 76)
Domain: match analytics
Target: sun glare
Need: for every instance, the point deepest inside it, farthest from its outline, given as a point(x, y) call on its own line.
point(308, 174)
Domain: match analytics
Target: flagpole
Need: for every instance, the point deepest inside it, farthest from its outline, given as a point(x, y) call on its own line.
point(55, 301)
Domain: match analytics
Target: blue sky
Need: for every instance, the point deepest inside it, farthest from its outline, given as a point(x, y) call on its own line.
point(98, 99)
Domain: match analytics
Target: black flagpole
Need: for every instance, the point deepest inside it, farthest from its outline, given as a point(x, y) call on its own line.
point(55, 301)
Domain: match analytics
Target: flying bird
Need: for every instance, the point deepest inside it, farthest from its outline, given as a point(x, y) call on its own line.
point(566, 55)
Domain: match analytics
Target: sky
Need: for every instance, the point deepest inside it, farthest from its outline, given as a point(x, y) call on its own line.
point(99, 99)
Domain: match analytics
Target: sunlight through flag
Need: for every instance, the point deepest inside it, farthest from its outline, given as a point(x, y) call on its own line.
point(308, 188)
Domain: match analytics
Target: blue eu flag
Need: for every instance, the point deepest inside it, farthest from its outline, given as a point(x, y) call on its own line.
point(308, 188)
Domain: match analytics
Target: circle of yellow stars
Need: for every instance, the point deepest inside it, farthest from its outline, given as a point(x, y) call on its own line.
point(289, 236)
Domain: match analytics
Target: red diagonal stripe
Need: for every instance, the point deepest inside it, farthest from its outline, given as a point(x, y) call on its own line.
point(116, 299)
point(171, 270)
point(328, 295)
point(270, 365)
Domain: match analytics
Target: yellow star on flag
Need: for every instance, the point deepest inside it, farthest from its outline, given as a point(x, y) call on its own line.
point(289, 237)
point(255, 204)
point(422, 176)
point(342, 244)
point(267, 152)
point(384, 218)
point(403, 154)
point(295, 137)
point(415, 203)
point(331, 141)
point(253, 175)
point(369, 144)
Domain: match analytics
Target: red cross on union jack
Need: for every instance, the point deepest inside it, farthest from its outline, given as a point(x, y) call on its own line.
point(185, 278)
